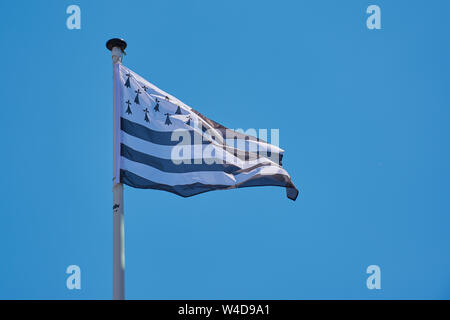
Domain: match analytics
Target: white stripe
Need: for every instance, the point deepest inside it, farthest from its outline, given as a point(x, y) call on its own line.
point(204, 177)
point(253, 145)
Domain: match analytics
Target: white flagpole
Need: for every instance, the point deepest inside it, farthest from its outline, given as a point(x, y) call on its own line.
point(117, 47)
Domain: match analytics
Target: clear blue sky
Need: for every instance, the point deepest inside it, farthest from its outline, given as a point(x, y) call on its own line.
point(363, 117)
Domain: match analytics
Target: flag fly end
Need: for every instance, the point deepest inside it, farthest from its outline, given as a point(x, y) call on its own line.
point(291, 193)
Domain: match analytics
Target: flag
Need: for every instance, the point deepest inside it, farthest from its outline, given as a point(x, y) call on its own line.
point(161, 143)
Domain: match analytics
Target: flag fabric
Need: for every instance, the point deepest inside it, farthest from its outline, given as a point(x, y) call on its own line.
point(161, 143)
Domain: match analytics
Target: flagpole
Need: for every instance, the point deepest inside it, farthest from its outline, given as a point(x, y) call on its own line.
point(117, 47)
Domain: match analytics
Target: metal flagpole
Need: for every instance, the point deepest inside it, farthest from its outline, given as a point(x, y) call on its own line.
point(117, 47)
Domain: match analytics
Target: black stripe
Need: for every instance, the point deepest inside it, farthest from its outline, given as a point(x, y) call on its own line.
point(189, 190)
point(159, 137)
point(168, 165)
point(246, 156)
point(224, 131)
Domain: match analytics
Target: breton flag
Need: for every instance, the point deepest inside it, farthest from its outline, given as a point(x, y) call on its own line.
point(161, 143)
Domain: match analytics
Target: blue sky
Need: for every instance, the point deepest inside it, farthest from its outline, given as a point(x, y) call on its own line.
point(363, 117)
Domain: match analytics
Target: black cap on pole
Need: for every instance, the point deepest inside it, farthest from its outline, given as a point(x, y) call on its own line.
point(116, 42)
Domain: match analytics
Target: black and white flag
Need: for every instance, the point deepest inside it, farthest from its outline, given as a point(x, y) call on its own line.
point(164, 144)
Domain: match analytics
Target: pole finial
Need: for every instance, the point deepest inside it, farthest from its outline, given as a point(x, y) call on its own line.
point(116, 42)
